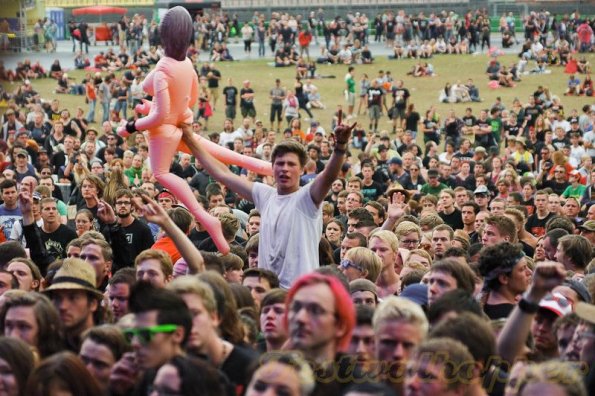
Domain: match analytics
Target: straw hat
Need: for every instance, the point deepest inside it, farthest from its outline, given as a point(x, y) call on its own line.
point(75, 274)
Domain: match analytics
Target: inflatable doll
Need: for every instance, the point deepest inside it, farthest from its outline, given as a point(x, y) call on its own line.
point(173, 84)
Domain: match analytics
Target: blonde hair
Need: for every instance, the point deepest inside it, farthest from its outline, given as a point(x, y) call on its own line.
point(367, 259)
point(400, 309)
point(387, 237)
point(189, 284)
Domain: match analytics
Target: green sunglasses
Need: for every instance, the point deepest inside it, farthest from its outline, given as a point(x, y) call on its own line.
point(145, 334)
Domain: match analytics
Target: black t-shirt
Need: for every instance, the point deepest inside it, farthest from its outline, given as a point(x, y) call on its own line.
point(469, 120)
point(498, 311)
point(138, 236)
point(231, 95)
point(373, 191)
point(55, 242)
point(374, 96)
point(213, 82)
point(558, 188)
point(454, 219)
point(411, 121)
point(536, 226)
point(237, 367)
point(400, 96)
point(246, 102)
point(533, 112)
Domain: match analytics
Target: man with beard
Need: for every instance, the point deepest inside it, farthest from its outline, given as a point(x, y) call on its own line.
point(138, 234)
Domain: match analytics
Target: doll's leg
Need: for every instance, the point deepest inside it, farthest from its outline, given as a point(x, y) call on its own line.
point(162, 149)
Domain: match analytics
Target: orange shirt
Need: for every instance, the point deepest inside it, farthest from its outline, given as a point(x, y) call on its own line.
point(167, 245)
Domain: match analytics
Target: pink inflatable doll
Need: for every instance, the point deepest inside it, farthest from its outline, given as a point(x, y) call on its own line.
point(174, 87)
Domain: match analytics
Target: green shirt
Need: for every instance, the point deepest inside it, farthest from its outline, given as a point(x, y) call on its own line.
point(350, 83)
point(427, 189)
point(574, 192)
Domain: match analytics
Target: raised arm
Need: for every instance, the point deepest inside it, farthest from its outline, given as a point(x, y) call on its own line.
point(322, 183)
point(546, 276)
point(218, 170)
point(154, 213)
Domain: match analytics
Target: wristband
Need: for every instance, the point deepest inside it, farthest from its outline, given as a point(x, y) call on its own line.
point(130, 128)
point(338, 150)
point(527, 306)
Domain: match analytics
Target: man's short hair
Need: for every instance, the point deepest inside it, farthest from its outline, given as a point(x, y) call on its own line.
point(10, 250)
point(472, 331)
point(475, 206)
point(170, 307)
point(229, 225)
point(430, 221)
point(395, 308)
point(505, 226)
point(181, 217)
point(361, 238)
point(109, 336)
point(272, 297)
point(462, 273)
point(262, 273)
point(361, 214)
point(561, 223)
point(6, 184)
point(252, 244)
point(290, 146)
point(232, 262)
point(126, 275)
point(164, 260)
point(407, 227)
point(577, 248)
point(445, 227)
point(453, 357)
point(456, 300)
point(106, 249)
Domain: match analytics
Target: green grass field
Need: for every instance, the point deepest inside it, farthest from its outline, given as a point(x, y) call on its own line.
point(424, 91)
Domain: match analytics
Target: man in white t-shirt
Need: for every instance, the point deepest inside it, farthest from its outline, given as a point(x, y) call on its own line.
point(291, 217)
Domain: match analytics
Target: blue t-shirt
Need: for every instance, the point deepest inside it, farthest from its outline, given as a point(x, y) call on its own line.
point(8, 217)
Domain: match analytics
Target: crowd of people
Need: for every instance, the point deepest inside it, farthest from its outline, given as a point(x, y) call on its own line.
point(365, 265)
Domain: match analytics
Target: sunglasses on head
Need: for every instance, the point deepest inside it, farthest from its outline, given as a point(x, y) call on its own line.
point(346, 263)
point(145, 334)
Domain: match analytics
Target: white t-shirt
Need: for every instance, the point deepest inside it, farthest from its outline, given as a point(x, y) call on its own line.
point(290, 232)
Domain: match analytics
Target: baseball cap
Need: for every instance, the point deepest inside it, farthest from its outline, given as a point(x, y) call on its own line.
point(363, 284)
point(588, 225)
point(579, 288)
point(416, 292)
point(382, 147)
point(481, 190)
point(574, 172)
point(394, 160)
point(36, 196)
point(556, 303)
point(21, 151)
